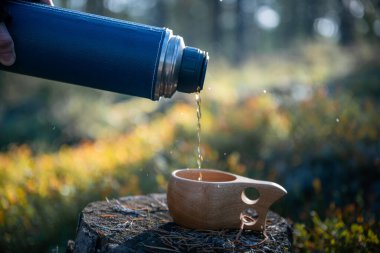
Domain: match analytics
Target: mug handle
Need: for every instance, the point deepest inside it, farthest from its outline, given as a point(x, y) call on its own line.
point(269, 193)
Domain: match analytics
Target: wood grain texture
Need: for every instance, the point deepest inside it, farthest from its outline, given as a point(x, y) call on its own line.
point(217, 201)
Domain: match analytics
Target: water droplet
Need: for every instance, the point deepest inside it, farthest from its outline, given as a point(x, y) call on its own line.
point(337, 120)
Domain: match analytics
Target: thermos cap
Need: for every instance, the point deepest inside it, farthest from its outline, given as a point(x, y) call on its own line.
point(193, 70)
point(181, 68)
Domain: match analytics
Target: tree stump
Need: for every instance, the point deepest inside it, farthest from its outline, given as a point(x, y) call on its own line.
point(143, 224)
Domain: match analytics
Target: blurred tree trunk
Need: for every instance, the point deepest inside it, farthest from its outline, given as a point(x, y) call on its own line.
point(239, 34)
point(347, 36)
point(217, 32)
point(289, 26)
point(297, 19)
point(63, 3)
point(161, 13)
point(287, 21)
point(371, 16)
point(311, 12)
point(95, 6)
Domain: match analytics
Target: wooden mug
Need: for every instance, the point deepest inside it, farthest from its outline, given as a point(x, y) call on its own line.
point(212, 199)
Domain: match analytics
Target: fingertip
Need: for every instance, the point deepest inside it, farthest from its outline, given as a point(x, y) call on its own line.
point(8, 59)
point(7, 52)
point(48, 2)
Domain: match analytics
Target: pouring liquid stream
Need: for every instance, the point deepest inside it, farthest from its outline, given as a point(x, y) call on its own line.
point(199, 116)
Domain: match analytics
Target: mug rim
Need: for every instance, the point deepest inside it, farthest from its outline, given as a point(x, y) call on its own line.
point(174, 175)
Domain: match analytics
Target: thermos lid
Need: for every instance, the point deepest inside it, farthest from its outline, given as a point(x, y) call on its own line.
point(193, 70)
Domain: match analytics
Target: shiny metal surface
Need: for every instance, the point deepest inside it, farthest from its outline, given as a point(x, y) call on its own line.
point(170, 63)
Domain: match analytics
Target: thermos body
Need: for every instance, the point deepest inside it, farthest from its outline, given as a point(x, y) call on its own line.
point(100, 52)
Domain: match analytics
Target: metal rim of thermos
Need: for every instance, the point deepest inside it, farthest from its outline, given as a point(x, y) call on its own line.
point(169, 65)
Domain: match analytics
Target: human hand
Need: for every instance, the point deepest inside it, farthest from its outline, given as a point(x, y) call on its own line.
point(7, 51)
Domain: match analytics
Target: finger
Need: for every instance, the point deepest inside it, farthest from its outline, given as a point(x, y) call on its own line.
point(49, 2)
point(7, 50)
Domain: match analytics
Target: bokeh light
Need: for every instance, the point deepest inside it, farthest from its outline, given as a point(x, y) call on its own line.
point(356, 8)
point(267, 18)
point(326, 27)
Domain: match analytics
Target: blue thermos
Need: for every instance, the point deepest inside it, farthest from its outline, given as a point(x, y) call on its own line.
point(103, 53)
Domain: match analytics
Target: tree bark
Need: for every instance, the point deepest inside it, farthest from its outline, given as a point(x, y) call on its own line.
point(143, 224)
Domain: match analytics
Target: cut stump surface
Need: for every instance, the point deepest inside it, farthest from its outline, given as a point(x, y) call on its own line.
point(143, 224)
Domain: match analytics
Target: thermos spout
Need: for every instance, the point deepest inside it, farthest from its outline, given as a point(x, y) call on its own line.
point(181, 68)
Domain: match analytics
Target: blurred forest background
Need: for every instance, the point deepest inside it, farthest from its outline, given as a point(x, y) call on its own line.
point(292, 95)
